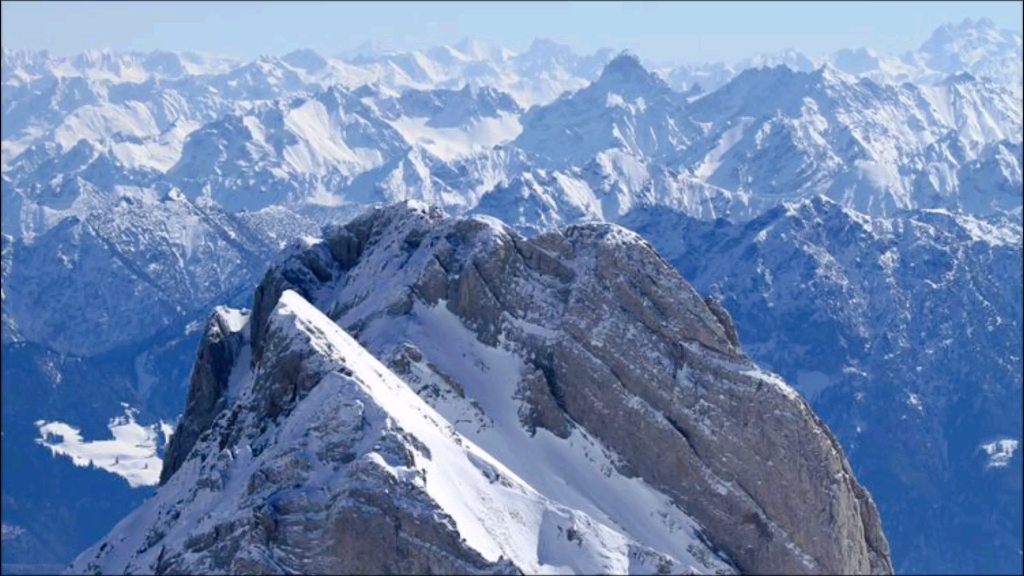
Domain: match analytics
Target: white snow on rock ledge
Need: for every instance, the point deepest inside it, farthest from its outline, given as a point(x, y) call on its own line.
point(496, 512)
point(132, 453)
point(1000, 452)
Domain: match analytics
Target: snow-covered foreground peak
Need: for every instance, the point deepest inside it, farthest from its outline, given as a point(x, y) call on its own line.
point(537, 416)
point(321, 430)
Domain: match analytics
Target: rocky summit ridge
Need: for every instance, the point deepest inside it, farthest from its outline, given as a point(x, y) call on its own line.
point(565, 403)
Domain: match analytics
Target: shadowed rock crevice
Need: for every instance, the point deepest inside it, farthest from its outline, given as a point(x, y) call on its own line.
point(217, 354)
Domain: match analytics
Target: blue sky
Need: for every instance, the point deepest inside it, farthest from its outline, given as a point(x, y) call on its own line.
point(663, 31)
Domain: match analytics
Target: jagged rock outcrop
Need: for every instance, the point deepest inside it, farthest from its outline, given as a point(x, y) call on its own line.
point(223, 340)
point(899, 332)
point(575, 367)
point(637, 358)
point(325, 462)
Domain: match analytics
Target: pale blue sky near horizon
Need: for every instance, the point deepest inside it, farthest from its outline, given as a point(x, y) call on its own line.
point(661, 31)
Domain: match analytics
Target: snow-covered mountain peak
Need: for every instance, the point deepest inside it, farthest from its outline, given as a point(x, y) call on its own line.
point(965, 29)
point(959, 78)
point(831, 74)
point(305, 59)
point(366, 49)
point(474, 49)
point(625, 70)
point(975, 46)
point(96, 57)
point(791, 58)
point(857, 60)
point(548, 48)
point(627, 107)
point(517, 452)
point(320, 409)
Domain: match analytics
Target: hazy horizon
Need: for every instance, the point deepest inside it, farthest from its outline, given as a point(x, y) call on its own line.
point(678, 32)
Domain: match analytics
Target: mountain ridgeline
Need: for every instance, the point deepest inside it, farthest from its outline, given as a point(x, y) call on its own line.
point(855, 220)
point(516, 353)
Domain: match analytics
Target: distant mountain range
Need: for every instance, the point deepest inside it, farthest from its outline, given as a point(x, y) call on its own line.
point(859, 215)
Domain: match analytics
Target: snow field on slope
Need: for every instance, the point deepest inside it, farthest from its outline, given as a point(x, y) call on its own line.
point(450, 144)
point(497, 517)
point(495, 511)
point(578, 471)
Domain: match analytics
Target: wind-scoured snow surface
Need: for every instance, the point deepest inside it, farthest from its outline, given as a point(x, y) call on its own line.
point(497, 512)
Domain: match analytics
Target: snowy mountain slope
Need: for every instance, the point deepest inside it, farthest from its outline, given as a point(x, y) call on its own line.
point(453, 124)
point(538, 75)
point(523, 386)
point(117, 267)
point(279, 152)
point(80, 134)
point(862, 144)
point(905, 335)
point(9, 327)
point(143, 124)
point(605, 189)
point(448, 505)
point(26, 66)
point(334, 148)
point(600, 152)
point(732, 153)
point(311, 150)
point(856, 142)
point(992, 181)
point(974, 46)
point(626, 107)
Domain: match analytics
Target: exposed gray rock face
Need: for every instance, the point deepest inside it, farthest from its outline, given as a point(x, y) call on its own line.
point(218, 351)
point(905, 335)
point(616, 342)
point(314, 457)
point(726, 320)
point(261, 482)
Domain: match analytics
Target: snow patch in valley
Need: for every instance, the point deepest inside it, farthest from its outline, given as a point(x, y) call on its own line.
point(1000, 452)
point(131, 454)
